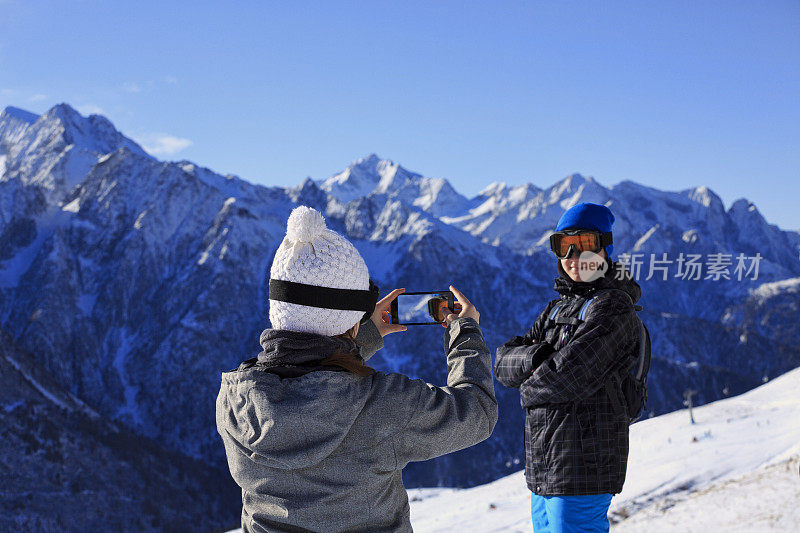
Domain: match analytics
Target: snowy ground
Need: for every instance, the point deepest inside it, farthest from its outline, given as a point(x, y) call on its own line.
point(765, 500)
point(736, 469)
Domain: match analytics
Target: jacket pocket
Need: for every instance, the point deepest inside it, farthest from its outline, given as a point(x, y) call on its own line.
point(536, 425)
point(587, 435)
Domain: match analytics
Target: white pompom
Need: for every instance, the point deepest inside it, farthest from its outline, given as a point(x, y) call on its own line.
point(305, 224)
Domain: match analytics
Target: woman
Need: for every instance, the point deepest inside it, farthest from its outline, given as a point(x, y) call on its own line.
point(316, 439)
point(576, 436)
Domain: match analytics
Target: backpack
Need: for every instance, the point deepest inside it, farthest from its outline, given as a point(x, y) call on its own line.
point(632, 379)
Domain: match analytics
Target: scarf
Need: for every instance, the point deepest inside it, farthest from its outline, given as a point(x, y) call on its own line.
point(292, 353)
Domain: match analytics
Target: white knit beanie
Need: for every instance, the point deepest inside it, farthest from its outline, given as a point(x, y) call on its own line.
point(312, 254)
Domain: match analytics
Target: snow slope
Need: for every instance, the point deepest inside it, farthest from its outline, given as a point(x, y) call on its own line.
point(763, 500)
point(736, 437)
point(735, 469)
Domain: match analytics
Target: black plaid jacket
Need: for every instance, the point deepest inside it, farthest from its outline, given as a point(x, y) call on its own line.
point(575, 442)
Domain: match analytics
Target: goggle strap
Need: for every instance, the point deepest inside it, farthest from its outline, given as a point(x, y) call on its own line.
point(605, 238)
point(323, 297)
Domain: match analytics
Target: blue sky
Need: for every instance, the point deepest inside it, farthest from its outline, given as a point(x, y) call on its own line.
point(669, 94)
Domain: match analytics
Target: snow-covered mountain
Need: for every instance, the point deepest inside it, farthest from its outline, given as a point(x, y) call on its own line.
point(135, 282)
point(55, 151)
point(647, 220)
point(65, 467)
point(374, 176)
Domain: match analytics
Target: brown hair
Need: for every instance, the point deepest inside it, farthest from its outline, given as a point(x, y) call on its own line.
point(349, 361)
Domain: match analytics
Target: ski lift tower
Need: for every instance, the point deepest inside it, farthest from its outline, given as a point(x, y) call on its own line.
point(687, 401)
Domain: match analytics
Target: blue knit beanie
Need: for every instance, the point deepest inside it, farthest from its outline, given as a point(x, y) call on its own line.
point(586, 215)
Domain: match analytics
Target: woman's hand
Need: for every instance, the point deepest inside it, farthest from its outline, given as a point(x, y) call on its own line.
point(381, 317)
point(464, 308)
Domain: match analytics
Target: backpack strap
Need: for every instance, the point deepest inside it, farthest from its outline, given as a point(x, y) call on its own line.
point(553, 312)
point(585, 308)
point(618, 376)
point(575, 321)
point(643, 361)
point(571, 320)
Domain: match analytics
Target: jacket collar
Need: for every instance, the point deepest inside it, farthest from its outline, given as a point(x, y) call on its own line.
point(616, 277)
point(293, 353)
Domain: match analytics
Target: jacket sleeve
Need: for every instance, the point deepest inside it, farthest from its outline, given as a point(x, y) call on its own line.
point(368, 339)
point(599, 345)
point(441, 420)
point(519, 356)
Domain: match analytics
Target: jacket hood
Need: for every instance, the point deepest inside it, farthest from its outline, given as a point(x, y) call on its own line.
point(289, 422)
point(617, 277)
point(292, 353)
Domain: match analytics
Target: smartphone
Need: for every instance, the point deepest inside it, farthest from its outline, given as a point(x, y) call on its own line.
point(419, 308)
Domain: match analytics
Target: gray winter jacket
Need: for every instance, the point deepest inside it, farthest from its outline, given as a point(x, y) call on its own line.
point(324, 451)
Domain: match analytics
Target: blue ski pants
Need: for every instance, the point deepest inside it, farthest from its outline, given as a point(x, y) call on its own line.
point(570, 514)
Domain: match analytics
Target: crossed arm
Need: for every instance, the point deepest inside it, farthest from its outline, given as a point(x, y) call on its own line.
point(598, 346)
point(516, 359)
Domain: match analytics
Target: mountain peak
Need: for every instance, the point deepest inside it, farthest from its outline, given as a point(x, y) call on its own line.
point(572, 183)
point(742, 209)
point(370, 160)
point(71, 118)
point(576, 179)
point(366, 175)
point(705, 196)
point(64, 111)
point(95, 133)
point(742, 204)
point(494, 188)
point(307, 185)
point(516, 193)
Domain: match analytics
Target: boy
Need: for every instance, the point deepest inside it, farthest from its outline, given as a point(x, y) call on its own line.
point(576, 441)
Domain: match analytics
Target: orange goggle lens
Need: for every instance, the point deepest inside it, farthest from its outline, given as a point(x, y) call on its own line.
point(584, 242)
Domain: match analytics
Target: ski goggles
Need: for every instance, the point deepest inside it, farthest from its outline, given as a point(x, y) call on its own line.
point(564, 243)
point(325, 297)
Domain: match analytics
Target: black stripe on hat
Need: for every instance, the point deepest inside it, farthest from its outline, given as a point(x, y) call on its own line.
point(323, 297)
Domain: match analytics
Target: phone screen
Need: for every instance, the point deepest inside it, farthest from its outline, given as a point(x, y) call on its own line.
point(413, 308)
